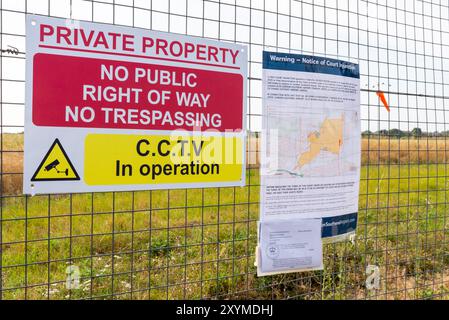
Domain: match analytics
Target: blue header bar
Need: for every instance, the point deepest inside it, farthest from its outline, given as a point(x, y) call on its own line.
point(299, 62)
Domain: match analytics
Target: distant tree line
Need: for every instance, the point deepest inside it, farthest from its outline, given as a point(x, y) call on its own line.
point(396, 133)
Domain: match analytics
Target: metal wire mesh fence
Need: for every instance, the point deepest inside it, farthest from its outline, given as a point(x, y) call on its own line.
point(192, 244)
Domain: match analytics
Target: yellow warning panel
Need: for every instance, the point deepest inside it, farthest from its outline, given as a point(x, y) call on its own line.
point(56, 165)
point(137, 159)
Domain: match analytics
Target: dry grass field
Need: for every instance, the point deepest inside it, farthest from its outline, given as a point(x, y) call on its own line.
point(11, 163)
point(404, 151)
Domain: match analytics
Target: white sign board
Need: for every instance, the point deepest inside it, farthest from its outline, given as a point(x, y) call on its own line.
point(311, 145)
point(112, 108)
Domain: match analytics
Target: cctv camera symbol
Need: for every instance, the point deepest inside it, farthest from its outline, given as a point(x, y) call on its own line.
point(54, 165)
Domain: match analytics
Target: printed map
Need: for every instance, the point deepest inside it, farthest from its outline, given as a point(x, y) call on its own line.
point(329, 138)
point(313, 143)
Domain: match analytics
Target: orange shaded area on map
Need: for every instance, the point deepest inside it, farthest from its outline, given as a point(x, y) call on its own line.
point(329, 138)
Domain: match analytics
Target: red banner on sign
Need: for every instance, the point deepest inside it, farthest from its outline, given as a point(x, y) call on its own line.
point(99, 93)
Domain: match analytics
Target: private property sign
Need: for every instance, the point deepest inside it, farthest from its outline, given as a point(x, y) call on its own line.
point(113, 108)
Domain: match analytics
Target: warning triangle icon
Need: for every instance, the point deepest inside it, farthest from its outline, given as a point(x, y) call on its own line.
point(56, 166)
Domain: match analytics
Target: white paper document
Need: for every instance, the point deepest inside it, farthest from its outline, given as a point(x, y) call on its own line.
point(310, 142)
point(289, 246)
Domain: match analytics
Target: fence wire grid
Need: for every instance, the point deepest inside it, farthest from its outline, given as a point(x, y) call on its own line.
point(200, 243)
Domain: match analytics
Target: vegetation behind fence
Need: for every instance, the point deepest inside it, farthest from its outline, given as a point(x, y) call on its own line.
point(199, 243)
